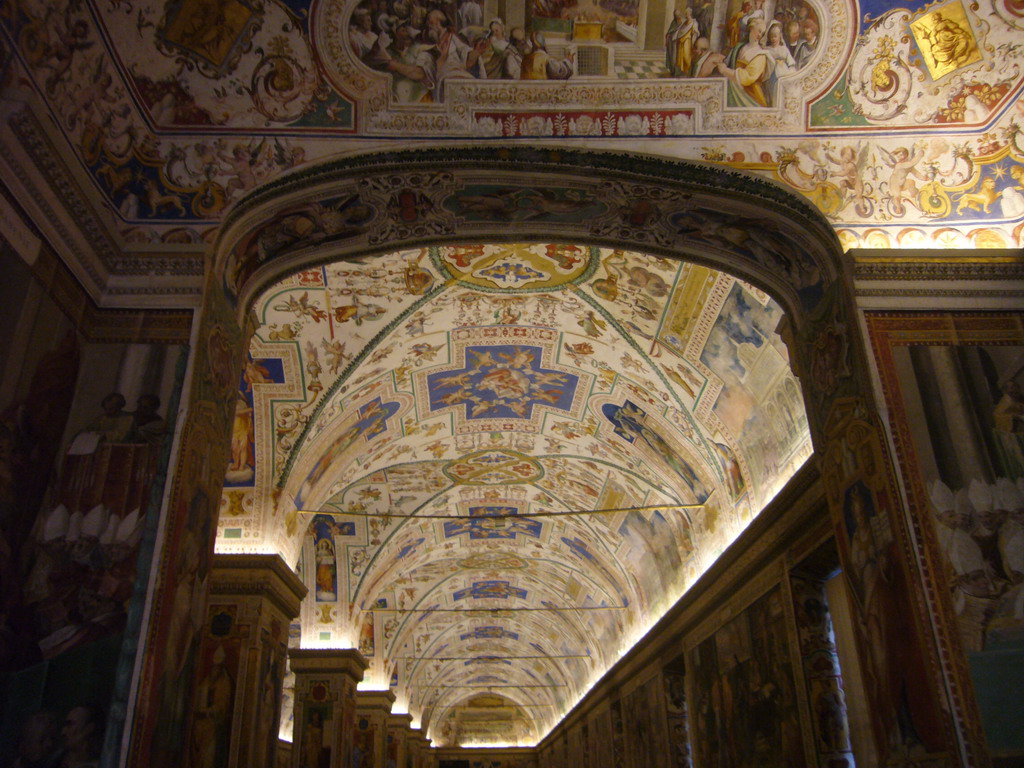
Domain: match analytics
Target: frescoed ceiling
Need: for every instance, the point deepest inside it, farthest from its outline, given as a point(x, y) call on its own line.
point(499, 465)
point(901, 122)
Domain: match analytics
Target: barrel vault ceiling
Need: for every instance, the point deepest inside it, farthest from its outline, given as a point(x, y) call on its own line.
point(508, 461)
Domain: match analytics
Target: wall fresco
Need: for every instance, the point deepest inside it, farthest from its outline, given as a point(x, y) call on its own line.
point(905, 716)
point(176, 625)
point(954, 382)
point(745, 706)
point(82, 429)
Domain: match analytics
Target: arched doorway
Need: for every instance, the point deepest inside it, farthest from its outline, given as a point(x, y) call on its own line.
point(370, 205)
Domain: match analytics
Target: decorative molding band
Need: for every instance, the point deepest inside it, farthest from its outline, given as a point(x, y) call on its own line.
point(106, 253)
point(932, 265)
point(131, 326)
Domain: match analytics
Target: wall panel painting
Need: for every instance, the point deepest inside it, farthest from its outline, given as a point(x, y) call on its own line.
point(217, 672)
point(645, 728)
point(744, 699)
point(952, 384)
point(83, 425)
point(678, 719)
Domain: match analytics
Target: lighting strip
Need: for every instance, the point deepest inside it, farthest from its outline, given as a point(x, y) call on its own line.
point(497, 685)
point(527, 516)
point(487, 656)
point(496, 610)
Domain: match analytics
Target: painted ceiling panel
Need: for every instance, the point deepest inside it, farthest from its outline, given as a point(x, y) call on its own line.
point(500, 464)
point(901, 122)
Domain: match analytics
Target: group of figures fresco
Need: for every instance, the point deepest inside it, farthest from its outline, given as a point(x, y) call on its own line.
point(745, 706)
point(979, 521)
point(425, 44)
point(76, 478)
point(750, 48)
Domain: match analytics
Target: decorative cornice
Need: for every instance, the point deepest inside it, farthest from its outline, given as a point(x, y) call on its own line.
point(93, 248)
point(31, 136)
point(266, 576)
point(371, 700)
point(177, 266)
point(131, 326)
point(345, 661)
point(938, 265)
point(957, 293)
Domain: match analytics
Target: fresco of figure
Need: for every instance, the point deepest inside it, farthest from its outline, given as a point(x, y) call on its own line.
point(538, 64)
point(808, 42)
point(412, 68)
point(679, 43)
point(746, 700)
point(776, 47)
point(504, 60)
point(749, 68)
point(114, 425)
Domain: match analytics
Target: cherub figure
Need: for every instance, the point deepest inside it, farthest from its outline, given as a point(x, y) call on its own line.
point(851, 164)
point(71, 36)
point(904, 167)
point(335, 351)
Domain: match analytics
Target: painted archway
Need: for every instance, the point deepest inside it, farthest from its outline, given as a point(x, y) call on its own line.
point(369, 205)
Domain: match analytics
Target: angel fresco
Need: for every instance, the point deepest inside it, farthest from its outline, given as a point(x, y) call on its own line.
point(58, 54)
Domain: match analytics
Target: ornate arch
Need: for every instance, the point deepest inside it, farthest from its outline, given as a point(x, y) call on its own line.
point(375, 203)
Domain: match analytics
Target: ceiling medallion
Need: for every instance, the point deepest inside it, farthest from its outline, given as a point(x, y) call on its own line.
point(517, 268)
point(497, 466)
point(491, 561)
point(212, 36)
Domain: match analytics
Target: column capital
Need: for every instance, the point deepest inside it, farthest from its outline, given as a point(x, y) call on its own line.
point(345, 661)
point(267, 576)
point(401, 720)
point(375, 700)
